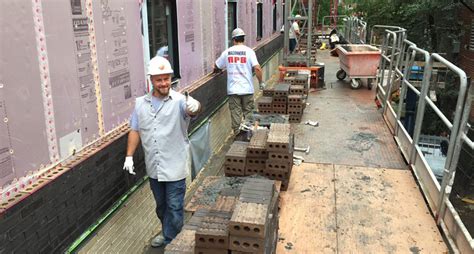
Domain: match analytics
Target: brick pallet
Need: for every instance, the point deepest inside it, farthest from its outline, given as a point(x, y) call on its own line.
point(269, 153)
point(249, 224)
point(286, 97)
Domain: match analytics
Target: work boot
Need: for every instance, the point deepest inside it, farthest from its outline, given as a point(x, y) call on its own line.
point(158, 241)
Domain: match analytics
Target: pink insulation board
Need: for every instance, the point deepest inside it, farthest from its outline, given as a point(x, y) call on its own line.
point(48, 102)
point(190, 41)
point(120, 58)
point(23, 141)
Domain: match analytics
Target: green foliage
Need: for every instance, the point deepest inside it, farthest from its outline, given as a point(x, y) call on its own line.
point(429, 23)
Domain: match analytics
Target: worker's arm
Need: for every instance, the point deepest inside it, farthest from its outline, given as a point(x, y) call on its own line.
point(296, 28)
point(133, 141)
point(258, 73)
point(216, 69)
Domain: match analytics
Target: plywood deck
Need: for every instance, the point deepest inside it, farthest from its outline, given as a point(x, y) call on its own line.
point(345, 209)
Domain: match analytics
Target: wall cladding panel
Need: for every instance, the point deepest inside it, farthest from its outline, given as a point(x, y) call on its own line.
point(22, 105)
point(219, 34)
point(119, 47)
point(190, 42)
point(55, 41)
point(73, 92)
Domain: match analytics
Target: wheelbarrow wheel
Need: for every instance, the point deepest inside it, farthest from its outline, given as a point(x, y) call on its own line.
point(355, 83)
point(341, 74)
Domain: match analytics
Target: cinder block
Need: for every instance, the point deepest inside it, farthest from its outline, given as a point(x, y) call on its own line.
point(213, 232)
point(295, 99)
point(279, 106)
point(280, 100)
point(268, 92)
point(183, 243)
point(297, 89)
point(276, 174)
point(274, 156)
point(257, 146)
point(279, 142)
point(225, 203)
point(280, 127)
point(264, 103)
point(235, 159)
point(277, 165)
point(295, 118)
point(281, 90)
point(290, 79)
point(247, 244)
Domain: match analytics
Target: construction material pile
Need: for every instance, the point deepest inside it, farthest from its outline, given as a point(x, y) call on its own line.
point(269, 153)
point(286, 97)
point(242, 219)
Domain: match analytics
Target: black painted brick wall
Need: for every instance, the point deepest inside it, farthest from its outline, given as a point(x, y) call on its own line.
point(50, 219)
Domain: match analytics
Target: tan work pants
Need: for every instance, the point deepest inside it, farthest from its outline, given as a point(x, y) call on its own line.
point(240, 107)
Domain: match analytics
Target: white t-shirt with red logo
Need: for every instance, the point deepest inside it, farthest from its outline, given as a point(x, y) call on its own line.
point(239, 61)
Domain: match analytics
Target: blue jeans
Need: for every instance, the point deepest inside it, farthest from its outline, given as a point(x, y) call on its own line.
point(292, 45)
point(169, 197)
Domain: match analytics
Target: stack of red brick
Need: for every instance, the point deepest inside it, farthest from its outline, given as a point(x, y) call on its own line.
point(286, 98)
point(249, 224)
point(269, 153)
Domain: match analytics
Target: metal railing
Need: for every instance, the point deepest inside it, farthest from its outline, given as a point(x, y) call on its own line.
point(394, 75)
point(355, 30)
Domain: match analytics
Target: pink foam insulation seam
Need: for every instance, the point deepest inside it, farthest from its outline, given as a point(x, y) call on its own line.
point(45, 81)
point(95, 68)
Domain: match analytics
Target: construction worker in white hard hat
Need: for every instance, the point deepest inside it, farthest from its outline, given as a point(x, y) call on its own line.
point(294, 33)
point(160, 121)
point(240, 62)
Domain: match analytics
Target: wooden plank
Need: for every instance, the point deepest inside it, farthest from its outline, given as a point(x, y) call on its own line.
point(307, 219)
point(382, 211)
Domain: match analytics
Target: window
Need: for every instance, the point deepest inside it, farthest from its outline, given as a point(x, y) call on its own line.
point(283, 14)
point(259, 21)
point(274, 17)
point(231, 20)
point(162, 31)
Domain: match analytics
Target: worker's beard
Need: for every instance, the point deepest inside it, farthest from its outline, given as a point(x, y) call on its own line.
point(162, 91)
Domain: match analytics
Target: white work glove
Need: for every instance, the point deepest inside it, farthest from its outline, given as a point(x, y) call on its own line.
point(192, 105)
point(262, 86)
point(128, 165)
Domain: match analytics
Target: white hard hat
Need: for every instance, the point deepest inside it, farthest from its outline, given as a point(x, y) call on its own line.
point(237, 32)
point(298, 16)
point(159, 65)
